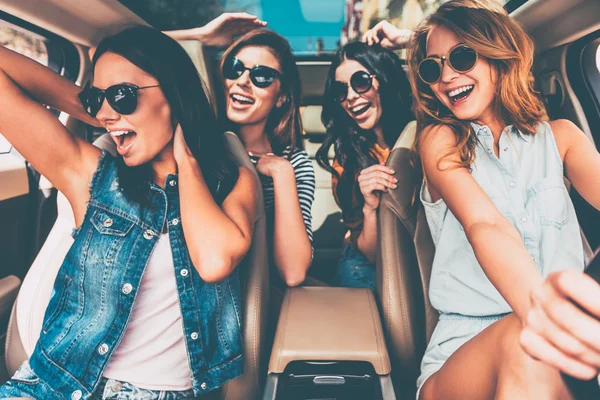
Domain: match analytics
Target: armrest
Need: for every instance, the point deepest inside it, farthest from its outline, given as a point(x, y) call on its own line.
point(329, 324)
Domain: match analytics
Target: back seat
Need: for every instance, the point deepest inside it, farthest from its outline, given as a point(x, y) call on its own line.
point(328, 228)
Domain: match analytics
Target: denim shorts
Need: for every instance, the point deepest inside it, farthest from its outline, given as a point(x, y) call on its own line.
point(451, 332)
point(355, 270)
point(25, 383)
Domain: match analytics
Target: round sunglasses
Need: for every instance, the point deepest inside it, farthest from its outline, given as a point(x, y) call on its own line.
point(461, 59)
point(122, 98)
point(360, 81)
point(260, 75)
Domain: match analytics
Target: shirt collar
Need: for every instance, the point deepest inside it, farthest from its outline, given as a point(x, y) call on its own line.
point(484, 130)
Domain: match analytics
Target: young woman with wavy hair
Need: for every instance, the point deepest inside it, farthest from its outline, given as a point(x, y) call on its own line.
point(364, 110)
point(496, 204)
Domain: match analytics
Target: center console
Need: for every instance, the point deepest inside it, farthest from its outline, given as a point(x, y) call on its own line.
point(329, 344)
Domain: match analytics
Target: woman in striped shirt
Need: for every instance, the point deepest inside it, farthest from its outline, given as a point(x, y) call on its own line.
point(262, 94)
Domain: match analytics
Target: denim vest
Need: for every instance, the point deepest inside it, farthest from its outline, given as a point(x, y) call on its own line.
point(526, 184)
point(96, 288)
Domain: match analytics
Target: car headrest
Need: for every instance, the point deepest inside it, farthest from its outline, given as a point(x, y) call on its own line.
point(311, 120)
point(407, 137)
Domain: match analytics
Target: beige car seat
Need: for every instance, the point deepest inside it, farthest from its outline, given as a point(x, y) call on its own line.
point(328, 228)
point(41, 276)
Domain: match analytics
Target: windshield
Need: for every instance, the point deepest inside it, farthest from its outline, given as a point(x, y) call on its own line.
point(311, 26)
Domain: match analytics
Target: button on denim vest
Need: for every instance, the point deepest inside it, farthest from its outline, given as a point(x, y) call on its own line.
point(526, 184)
point(96, 288)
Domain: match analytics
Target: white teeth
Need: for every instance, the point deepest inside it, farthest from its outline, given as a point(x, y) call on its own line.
point(359, 108)
point(119, 133)
point(460, 90)
point(242, 98)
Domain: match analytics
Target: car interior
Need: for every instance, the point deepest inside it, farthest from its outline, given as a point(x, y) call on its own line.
point(330, 343)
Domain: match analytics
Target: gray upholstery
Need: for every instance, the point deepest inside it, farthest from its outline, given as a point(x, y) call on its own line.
point(255, 277)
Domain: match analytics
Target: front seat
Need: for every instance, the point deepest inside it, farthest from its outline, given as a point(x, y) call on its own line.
point(405, 256)
point(255, 285)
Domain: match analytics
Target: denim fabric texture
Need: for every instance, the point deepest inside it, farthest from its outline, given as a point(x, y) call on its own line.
point(355, 270)
point(25, 383)
point(526, 184)
point(96, 287)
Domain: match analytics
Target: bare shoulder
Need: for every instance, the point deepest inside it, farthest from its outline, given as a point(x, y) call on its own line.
point(566, 134)
point(437, 141)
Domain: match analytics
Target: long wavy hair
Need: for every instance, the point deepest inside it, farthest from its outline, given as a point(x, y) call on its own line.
point(490, 31)
point(163, 58)
point(283, 124)
point(353, 146)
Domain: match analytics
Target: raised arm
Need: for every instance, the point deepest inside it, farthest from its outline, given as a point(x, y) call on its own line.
point(387, 35)
point(497, 244)
point(215, 252)
point(580, 159)
point(221, 31)
point(67, 161)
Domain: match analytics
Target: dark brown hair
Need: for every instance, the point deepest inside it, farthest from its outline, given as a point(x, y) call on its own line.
point(283, 125)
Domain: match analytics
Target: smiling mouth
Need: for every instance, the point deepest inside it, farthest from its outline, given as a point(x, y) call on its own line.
point(123, 139)
point(360, 109)
point(460, 93)
point(239, 99)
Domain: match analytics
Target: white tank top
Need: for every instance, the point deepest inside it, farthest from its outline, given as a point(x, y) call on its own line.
point(152, 354)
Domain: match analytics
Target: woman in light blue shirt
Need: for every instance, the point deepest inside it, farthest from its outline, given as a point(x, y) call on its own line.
point(496, 204)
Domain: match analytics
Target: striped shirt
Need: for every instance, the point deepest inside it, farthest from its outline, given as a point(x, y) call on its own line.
point(305, 185)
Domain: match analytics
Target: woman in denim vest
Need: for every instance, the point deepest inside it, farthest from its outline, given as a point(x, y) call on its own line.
point(173, 199)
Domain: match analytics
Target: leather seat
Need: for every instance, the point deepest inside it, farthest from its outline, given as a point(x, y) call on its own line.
point(405, 257)
point(255, 285)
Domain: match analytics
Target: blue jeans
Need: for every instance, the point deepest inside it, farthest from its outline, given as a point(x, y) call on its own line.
point(26, 384)
point(355, 270)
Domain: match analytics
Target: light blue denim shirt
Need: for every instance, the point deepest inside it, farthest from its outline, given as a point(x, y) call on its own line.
point(526, 184)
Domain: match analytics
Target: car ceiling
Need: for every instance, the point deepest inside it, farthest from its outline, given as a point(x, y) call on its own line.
point(549, 22)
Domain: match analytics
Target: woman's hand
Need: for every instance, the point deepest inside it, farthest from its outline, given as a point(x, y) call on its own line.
point(270, 165)
point(374, 180)
point(558, 332)
point(387, 35)
point(180, 147)
point(221, 31)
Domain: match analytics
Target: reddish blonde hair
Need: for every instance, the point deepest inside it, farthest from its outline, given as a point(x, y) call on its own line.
point(488, 29)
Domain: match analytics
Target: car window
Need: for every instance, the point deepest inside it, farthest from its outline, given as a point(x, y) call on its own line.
point(49, 50)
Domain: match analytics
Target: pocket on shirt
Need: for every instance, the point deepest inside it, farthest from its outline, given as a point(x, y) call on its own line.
point(550, 200)
point(26, 375)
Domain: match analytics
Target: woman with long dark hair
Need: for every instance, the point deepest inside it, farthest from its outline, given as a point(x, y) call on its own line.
point(146, 302)
point(365, 108)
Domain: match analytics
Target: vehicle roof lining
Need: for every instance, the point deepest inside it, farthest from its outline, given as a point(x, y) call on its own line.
point(83, 22)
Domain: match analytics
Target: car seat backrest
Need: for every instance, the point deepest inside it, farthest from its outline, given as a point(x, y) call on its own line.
point(327, 225)
point(405, 256)
point(255, 286)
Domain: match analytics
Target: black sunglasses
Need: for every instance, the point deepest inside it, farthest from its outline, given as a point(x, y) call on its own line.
point(260, 75)
point(461, 59)
point(360, 81)
point(122, 98)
